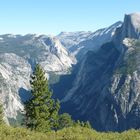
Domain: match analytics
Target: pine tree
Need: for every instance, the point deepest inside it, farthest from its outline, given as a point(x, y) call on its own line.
point(41, 110)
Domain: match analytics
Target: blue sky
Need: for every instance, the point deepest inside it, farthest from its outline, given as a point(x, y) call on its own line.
point(54, 16)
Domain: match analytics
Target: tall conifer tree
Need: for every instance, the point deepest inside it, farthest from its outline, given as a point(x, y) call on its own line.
point(41, 109)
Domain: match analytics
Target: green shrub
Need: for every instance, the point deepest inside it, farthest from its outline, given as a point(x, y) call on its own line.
point(71, 133)
point(65, 120)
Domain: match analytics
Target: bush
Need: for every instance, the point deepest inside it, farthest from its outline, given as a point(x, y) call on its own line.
point(71, 133)
point(65, 120)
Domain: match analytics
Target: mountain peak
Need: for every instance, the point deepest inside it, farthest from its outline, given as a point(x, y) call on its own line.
point(134, 19)
point(131, 26)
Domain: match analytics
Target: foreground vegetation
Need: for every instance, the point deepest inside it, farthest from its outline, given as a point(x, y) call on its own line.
point(43, 121)
point(71, 133)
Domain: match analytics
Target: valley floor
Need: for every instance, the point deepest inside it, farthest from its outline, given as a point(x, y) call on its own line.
point(72, 133)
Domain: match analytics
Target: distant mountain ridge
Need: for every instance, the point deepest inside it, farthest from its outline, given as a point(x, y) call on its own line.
point(97, 73)
point(79, 43)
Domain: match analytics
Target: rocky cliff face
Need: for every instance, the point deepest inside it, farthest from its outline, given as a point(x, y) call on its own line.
point(131, 26)
point(38, 49)
point(106, 90)
point(18, 56)
point(14, 79)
